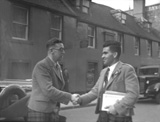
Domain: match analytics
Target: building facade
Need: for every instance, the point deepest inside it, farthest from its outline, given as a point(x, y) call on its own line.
point(83, 26)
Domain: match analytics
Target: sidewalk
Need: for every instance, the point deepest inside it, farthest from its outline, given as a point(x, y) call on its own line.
point(71, 106)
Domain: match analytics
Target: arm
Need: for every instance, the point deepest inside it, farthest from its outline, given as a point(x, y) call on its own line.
point(94, 92)
point(42, 74)
point(132, 91)
point(87, 97)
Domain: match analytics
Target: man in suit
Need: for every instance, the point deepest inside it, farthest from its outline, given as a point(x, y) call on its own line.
point(121, 77)
point(47, 86)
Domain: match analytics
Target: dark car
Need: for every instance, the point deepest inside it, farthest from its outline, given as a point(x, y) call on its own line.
point(14, 96)
point(149, 80)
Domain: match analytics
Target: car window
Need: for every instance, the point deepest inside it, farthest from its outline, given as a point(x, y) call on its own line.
point(148, 71)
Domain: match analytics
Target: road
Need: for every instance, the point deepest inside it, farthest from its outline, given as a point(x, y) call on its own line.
point(145, 111)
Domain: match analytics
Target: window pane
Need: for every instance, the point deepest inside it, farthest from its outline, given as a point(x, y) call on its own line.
point(85, 10)
point(55, 21)
point(55, 33)
point(90, 39)
point(77, 3)
point(20, 15)
point(136, 46)
point(149, 71)
point(86, 3)
point(19, 31)
point(20, 22)
point(108, 37)
point(91, 36)
point(56, 24)
point(90, 30)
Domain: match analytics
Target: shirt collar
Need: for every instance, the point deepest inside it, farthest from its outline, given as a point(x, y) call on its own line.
point(112, 67)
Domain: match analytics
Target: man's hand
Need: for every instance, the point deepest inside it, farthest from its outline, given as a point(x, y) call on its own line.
point(112, 110)
point(75, 98)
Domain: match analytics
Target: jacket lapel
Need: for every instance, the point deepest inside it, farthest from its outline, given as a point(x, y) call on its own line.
point(101, 81)
point(115, 73)
point(59, 74)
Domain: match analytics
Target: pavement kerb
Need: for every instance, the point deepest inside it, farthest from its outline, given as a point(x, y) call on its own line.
point(71, 106)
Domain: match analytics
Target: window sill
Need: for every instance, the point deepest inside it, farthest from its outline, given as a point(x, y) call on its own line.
point(22, 41)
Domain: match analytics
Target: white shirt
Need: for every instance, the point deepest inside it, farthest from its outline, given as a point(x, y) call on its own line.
point(111, 70)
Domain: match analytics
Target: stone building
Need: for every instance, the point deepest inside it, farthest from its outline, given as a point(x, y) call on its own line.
point(83, 26)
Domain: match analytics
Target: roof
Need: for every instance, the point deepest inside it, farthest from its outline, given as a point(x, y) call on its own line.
point(57, 5)
point(132, 24)
point(99, 15)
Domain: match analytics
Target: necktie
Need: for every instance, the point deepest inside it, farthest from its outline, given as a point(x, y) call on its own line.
point(58, 70)
point(105, 80)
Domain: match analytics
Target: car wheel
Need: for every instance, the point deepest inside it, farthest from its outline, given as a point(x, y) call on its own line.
point(158, 98)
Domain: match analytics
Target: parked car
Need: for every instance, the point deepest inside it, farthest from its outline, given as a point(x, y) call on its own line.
point(25, 84)
point(149, 80)
point(14, 96)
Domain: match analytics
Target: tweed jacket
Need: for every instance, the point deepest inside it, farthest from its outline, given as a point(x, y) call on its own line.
point(123, 79)
point(47, 85)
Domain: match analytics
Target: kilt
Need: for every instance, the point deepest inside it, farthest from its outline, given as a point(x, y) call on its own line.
point(34, 116)
point(106, 117)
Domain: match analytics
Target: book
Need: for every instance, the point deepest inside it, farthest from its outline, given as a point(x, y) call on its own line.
point(109, 98)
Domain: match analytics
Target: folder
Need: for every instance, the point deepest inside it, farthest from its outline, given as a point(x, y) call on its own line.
point(109, 98)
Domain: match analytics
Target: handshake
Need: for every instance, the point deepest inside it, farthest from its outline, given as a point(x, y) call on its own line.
point(75, 99)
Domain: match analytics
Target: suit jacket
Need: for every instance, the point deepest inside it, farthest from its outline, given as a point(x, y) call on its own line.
point(47, 85)
point(123, 79)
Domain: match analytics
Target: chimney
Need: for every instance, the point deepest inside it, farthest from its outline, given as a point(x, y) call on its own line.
point(139, 8)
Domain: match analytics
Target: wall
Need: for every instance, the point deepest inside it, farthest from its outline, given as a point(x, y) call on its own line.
point(153, 15)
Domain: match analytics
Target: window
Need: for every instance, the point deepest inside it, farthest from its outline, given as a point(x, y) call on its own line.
point(56, 26)
point(149, 48)
point(119, 15)
point(91, 36)
point(159, 50)
point(121, 40)
point(20, 23)
point(19, 70)
point(149, 71)
point(83, 5)
point(137, 46)
point(91, 76)
point(109, 36)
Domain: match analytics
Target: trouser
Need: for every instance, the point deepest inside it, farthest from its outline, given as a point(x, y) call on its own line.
point(34, 116)
point(106, 117)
